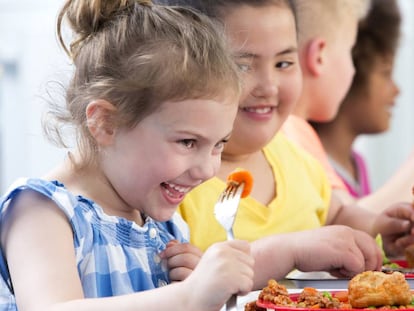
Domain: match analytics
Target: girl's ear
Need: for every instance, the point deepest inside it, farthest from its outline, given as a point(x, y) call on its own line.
point(99, 115)
point(315, 56)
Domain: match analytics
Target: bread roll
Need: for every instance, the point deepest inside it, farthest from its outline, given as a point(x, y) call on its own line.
point(374, 288)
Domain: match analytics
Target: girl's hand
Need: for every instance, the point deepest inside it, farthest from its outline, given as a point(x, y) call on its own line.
point(226, 268)
point(340, 250)
point(181, 258)
point(396, 227)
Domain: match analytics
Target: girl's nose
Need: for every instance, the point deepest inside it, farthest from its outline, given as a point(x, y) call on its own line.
point(266, 85)
point(395, 88)
point(206, 168)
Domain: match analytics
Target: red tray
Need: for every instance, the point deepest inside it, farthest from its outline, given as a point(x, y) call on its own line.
point(294, 297)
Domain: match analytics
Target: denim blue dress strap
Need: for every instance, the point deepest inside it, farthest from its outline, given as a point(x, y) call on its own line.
point(114, 256)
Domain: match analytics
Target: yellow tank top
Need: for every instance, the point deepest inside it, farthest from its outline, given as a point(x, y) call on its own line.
point(302, 201)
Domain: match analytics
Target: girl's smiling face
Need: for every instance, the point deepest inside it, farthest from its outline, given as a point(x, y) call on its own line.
point(369, 107)
point(151, 167)
point(382, 92)
point(264, 43)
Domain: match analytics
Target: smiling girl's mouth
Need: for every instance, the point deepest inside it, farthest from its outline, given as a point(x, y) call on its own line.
point(175, 191)
point(258, 110)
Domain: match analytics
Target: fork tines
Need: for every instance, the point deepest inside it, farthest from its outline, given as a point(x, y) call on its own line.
point(230, 190)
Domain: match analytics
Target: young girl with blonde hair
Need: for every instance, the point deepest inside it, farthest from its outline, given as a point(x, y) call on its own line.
point(153, 98)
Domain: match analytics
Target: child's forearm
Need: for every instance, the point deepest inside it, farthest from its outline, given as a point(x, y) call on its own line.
point(273, 259)
point(351, 215)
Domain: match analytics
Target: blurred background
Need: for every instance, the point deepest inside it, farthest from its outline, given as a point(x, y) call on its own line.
point(31, 63)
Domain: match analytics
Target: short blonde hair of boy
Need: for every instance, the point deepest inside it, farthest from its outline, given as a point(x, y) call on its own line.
point(322, 17)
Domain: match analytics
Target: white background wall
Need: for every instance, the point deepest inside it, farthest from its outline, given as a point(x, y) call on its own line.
point(30, 57)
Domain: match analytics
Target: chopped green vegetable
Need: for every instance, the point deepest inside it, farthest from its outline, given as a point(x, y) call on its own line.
point(327, 295)
point(393, 265)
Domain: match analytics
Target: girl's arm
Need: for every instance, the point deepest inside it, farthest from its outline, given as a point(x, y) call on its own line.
point(349, 214)
point(340, 250)
point(396, 189)
point(393, 223)
point(38, 244)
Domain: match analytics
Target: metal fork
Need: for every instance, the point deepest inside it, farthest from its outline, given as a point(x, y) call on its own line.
point(225, 212)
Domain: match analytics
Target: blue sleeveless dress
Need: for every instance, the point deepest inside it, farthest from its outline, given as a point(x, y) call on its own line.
point(114, 256)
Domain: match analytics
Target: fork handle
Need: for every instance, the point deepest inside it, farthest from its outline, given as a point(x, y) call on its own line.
point(230, 235)
point(231, 304)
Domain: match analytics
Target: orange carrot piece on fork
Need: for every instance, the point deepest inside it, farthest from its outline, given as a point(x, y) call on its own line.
point(242, 176)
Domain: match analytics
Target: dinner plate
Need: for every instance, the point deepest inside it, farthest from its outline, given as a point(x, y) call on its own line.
point(270, 307)
point(316, 279)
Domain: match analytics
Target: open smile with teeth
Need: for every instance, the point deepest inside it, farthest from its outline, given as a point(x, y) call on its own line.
point(258, 110)
point(175, 191)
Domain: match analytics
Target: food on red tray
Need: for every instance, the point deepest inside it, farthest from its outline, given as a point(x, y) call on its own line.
point(370, 289)
point(239, 176)
point(314, 299)
point(252, 306)
point(374, 288)
point(276, 294)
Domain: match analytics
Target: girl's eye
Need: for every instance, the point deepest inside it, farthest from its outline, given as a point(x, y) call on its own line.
point(284, 64)
point(244, 67)
point(220, 145)
point(189, 143)
point(387, 73)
